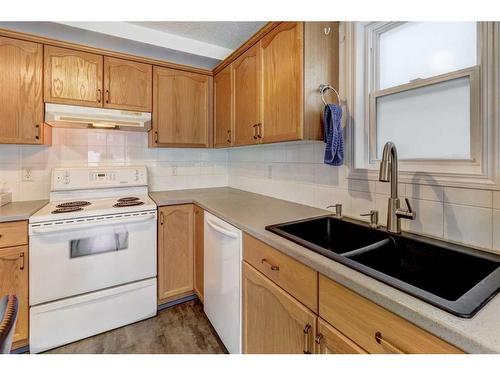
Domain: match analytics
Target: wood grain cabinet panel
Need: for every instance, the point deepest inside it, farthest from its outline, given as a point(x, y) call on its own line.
point(223, 108)
point(127, 85)
point(14, 280)
point(330, 341)
point(21, 85)
point(175, 252)
point(297, 279)
point(73, 77)
point(247, 96)
point(199, 237)
point(13, 233)
point(182, 108)
point(273, 321)
point(372, 327)
point(282, 80)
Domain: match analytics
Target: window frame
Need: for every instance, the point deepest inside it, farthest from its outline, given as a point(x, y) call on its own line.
point(356, 58)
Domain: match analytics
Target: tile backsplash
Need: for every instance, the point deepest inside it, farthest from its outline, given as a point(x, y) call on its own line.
point(291, 171)
point(296, 172)
point(169, 169)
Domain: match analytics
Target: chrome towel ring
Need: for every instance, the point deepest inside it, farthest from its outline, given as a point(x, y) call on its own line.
point(323, 88)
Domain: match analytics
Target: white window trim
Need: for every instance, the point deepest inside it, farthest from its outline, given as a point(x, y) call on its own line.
point(480, 171)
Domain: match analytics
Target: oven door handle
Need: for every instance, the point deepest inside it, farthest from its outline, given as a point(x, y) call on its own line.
point(63, 228)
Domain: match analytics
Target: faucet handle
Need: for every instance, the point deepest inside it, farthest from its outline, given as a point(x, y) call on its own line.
point(408, 213)
point(373, 218)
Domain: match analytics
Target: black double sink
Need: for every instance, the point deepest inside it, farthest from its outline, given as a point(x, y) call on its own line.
point(454, 278)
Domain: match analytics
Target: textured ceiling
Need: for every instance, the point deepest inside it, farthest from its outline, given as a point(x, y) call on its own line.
point(224, 34)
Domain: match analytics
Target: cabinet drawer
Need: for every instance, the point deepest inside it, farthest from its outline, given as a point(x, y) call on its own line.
point(13, 233)
point(298, 280)
point(372, 327)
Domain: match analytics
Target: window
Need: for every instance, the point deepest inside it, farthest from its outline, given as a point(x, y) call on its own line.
point(426, 86)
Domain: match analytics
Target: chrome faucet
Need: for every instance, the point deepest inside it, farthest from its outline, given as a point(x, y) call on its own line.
point(389, 173)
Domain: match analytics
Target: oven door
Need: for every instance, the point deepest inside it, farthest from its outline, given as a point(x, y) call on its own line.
point(74, 259)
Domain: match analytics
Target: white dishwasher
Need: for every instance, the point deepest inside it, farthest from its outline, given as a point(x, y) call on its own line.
point(222, 278)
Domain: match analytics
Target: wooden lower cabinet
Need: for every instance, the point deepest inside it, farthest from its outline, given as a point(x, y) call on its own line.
point(274, 321)
point(331, 341)
point(199, 237)
point(14, 280)
point(175, 252)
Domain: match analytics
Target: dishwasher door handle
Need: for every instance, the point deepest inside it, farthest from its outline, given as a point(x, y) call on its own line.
point(219, 229)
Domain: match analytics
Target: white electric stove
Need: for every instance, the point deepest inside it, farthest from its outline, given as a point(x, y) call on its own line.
point(92, 255)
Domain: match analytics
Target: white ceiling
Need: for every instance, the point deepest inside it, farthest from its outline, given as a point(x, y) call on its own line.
point(224, 34)
point(215, 40)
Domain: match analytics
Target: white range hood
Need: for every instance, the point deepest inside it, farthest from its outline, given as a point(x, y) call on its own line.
point(69, 116)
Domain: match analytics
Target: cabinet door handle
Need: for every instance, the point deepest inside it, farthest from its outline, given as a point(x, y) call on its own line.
point(259, 130)
point(307, 331)
point(156, 137)
point(273, 267)
point(99, 95)
point(107, 96)
point(229, 136)
point(387, 344)
point(318, 338)
point(255, 131)
point(21, 256)
point(161, 217)
point(37, 127)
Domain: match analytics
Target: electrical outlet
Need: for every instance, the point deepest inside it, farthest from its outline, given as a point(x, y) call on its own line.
point(27, 175)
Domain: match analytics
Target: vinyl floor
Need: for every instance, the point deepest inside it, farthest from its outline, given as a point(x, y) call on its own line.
point(181, 329)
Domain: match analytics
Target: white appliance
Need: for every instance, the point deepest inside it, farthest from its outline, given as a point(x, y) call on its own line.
point(222, 280)
point(71, 116)
point(92, 255)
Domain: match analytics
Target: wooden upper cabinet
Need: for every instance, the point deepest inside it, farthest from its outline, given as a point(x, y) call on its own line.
point(182, 108)
point(21, 101)
point(273, 321)
point(282, 80)
point(175, 251)
point(73, 77)
point(223, 108)
point(247, 85)
point(127, 85)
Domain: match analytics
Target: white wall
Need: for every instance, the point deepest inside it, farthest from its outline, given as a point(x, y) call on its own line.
point(168, 168)
point(296, 172)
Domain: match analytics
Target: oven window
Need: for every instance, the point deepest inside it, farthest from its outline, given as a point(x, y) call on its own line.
point(99, 244)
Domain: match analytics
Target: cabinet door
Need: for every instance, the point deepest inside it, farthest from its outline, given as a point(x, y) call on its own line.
point(223, 108)
point(247, 84)
point(14, 280)
point(282, 80)
point(331, 341)
point(127, 85)
point(274, 321)
point(181, 108)
point(73, 77)
point(199, 234)
point(21, 102)
point(175, 252)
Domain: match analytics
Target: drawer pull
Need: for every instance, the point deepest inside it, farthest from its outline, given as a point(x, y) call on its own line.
point(273, 267)
point(318, 338)
point(307, 331)
point(386, 344)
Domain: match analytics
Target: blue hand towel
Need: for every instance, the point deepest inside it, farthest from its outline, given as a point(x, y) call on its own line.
point(334, 138)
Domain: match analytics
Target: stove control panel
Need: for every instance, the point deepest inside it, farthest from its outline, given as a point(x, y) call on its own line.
point(98, 177)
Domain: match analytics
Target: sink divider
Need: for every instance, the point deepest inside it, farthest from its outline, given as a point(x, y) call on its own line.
point(367, 248)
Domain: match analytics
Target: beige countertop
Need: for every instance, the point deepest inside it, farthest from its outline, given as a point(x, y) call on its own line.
point(20, 210)
point(253, 212)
